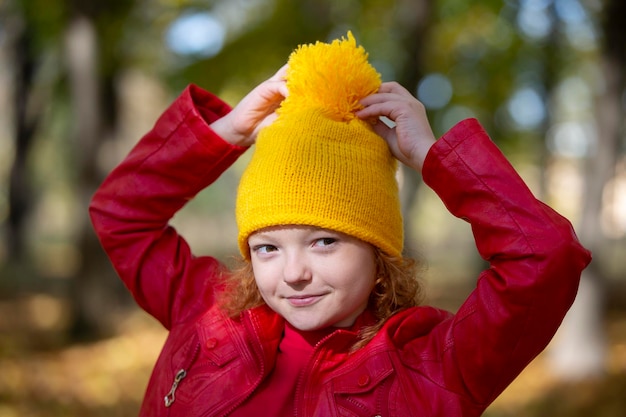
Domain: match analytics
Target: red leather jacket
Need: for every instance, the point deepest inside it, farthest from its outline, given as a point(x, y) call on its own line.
point(424, 361)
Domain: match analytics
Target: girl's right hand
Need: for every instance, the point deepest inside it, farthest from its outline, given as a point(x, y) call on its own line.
point(255, 111)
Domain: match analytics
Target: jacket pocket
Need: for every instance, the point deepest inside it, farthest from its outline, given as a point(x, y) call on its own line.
point(207, 384)
point(364, 390)
point(211, 360)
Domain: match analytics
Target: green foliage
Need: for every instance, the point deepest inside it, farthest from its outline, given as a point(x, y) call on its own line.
point(256, 53)
point(477, 47)
point(46, 20)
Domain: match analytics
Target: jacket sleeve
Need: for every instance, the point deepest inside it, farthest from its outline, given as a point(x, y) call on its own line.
point(535, 262)
point(130, 211)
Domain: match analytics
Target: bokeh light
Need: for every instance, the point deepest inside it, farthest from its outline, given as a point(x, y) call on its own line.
point(534, 19)
point(527, 108)
point(435, 91)
point(198, 34)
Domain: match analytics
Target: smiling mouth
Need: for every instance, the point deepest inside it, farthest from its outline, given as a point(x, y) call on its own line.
point(303, 300)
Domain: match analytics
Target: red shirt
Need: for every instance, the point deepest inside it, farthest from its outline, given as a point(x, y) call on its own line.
point(275, 396)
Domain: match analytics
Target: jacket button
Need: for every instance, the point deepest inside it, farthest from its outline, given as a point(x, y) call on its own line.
point(363, 380)
point(211, 343)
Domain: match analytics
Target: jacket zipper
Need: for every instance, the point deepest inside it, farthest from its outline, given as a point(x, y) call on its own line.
point(180, 375)
point(171, 396)
point(307, 370)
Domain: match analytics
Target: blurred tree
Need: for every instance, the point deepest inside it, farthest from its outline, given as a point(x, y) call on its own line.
point(503, 62)
point(26, 35)
point(579, 351)
point(26, 116)
point(90, 42)
point(84, 36)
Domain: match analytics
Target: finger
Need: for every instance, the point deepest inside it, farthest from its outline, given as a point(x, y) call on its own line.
point(390, 137)
point(273, 90)
point(385, 100)
point(266, 122)
point(384, 130)
point(390, 108)
point(282, 88)
point(278, 81)
point(393, 87)
point(399, 97)
point(281, 73)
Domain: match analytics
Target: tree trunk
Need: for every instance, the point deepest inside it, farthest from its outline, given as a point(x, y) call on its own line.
point(94, 290)
point(26, 117)
point(579, 350)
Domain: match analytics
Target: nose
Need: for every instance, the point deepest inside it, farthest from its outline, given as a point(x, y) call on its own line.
point(296, 269)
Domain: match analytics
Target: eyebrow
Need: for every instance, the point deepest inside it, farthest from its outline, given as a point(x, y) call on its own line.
point(259, 235)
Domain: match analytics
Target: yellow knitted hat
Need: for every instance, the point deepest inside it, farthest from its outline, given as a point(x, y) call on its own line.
point(318, 164)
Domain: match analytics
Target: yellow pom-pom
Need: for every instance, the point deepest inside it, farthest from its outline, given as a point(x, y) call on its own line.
point(332, 77)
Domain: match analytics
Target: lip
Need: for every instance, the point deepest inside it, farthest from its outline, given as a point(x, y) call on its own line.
point(304, 300)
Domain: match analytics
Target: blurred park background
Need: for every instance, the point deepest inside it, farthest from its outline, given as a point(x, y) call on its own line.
point(81, 81)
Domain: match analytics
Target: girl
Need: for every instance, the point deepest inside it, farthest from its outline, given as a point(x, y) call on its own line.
point(322, 319)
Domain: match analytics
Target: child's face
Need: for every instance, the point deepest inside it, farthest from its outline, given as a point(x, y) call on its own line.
point(313, 277)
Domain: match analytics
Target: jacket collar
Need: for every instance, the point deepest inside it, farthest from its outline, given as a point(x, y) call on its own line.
point(269, 328)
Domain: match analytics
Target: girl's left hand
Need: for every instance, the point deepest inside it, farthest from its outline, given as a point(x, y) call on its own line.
point(411, 137)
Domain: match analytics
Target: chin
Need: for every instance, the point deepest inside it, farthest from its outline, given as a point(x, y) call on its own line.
point(307, 326)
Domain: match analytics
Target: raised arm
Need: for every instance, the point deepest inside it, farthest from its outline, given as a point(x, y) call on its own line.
point(191, 144)
point(130, 211)
point(535, 258)
point(535, 265)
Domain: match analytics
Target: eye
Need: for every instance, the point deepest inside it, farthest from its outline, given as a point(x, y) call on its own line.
point(264, 249)
point(325, 241)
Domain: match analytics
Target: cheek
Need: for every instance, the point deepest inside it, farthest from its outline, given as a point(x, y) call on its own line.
point(366, 285)
point(368, 272)
point(263, 278)
point(360, 277)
